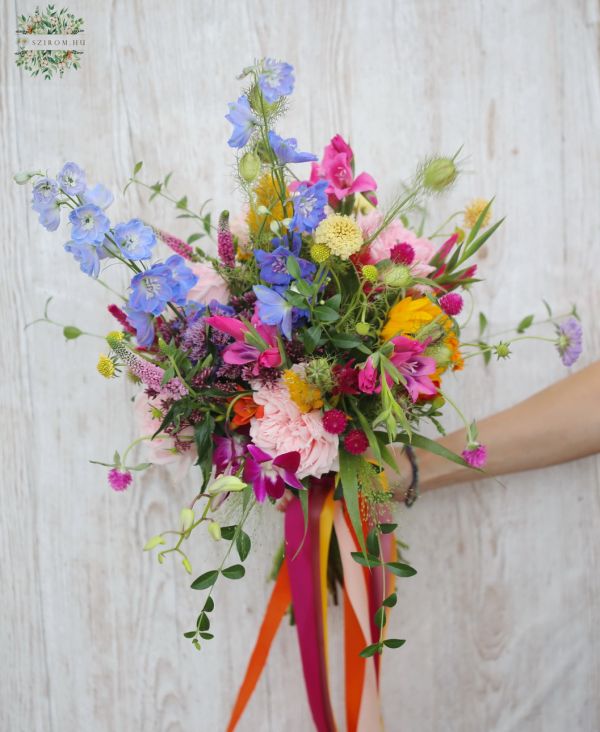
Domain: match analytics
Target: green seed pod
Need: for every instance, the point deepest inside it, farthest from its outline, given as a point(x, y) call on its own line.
point(398, 276)
point(71, 332)
point(318, 373)
point(440, 353)
point(362, 329)
point(502, 350)
point(249, 166)
point(439, 173)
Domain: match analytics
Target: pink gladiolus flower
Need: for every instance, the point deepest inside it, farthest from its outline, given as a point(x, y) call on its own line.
point(241, 352)
point(269, 475)
point(415, 368)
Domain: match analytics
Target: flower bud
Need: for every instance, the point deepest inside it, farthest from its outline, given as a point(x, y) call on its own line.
point(398, 276)
point(23, 177)
point(214, 530)
point(438, 402)
point(370, 273)
point(153, 542)
point(226, 484)
point(186, 517)
point(362, 329)
point(439, 173)
point(502, 350)
point(249, 166)
point(441, 354)
point(187, 565)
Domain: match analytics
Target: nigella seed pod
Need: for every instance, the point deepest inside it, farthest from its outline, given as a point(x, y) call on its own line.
point(439, 174)
point(398, 276)
point(249, 166)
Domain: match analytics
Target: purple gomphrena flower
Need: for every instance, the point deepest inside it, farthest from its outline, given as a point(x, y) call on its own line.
point(269, 475)
point(177, 245)
point(286, 150)
point(402, 253)
point(182, 276)
point(451, 304)
point(44, 194)
point(119, 480)
point(89, 224)
point(88, 256)
point(152, 289)
point(276, 80)
point(135, 240)
point(71, 179)
point(225, 241)
point(475, 455)
point(569, 343)
point(309, 206)
point(147, 373)
point(243, 120)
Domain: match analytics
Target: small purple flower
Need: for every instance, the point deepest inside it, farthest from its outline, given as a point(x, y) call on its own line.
point(273, 309)
point(475, 455)
point(183, 278)
point(569, 343)
point(88, 256)
point(273, 265)
point(49, 217)
point(119, 480)
point(89, 224)
point(99, 195)
point(309, 206)
point(152, 289)
point(276, 80)
point(268, 475)
point(135, 240)
point(44, 194)
point(286, 150)
point(228, 452)
point(243, 120)
point(71, 179)
point(144, 326)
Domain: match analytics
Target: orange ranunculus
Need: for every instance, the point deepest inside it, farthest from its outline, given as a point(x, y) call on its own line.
point(267, 195)
point(244, 409)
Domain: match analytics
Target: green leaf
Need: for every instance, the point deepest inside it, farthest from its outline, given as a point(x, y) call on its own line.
point(182, 203)
point(525, 323)
point(483, 321)
point(334, 302)
point(479, 223)
point(373, 543)
point(137, 167)
point(205, 580)
point(228, 532)
point(194, 237)
point(391, 600)
point(326, 314)
point(548, 308)
point(368, 560)
point(400, 569)
point(393, 642)
point(388, 528)
point(344, 340)
point(380, 618)
point(425, 443)
point(349, 465)
point(370, 650)
point(481, 241)
point(293, 268)
point(203, 435)
point(236, 571)
point(209, 605)
point(190, 634)
point(311, 337)
point(243, 544)
point(203, 622)
point(207, 636)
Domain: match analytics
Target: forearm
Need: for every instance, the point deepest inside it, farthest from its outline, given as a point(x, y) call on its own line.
point(558, 424)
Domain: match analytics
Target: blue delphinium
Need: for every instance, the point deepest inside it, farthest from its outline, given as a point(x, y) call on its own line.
point(276, 79)
point(143, 324)
point(135, 240)
point(309, 206)
point(72, 179)
point(152, 289)
point(49, 216)
point(273, 265)
point(89, 224)
point(44, 194)
point(99, 195)
point(243, 120)
point(183, 278)
point(88, 255)
point(286, 150)
point(273, 309)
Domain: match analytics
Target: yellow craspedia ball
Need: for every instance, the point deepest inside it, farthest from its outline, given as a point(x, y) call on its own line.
point(319, 253)
point(341, 234)
point(474, 210)
point(105, 366)
point(370, 273)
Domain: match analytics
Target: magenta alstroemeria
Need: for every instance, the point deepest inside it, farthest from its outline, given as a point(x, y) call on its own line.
point(241, 352)
point(415, 368)
point(269, 475)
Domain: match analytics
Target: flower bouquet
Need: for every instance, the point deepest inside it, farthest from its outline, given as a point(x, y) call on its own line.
point(293, 367)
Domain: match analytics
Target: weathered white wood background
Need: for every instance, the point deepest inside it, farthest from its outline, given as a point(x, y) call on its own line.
point(503, 617)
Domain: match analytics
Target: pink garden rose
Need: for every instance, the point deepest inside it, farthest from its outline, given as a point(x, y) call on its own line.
point(394, 234)
point(162, 450)
point(284, 428)
point(210, 285)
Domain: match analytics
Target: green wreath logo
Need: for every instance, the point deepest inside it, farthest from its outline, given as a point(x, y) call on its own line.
point(52, 61)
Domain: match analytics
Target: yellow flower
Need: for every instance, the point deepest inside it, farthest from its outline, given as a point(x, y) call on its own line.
point(304, 395)
point(409, 315)
point(267, 195)
point(370, 273)
point(319, 253)
point(473, 212)
point(115, 335)
point(105, 366)
point(341, 234)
